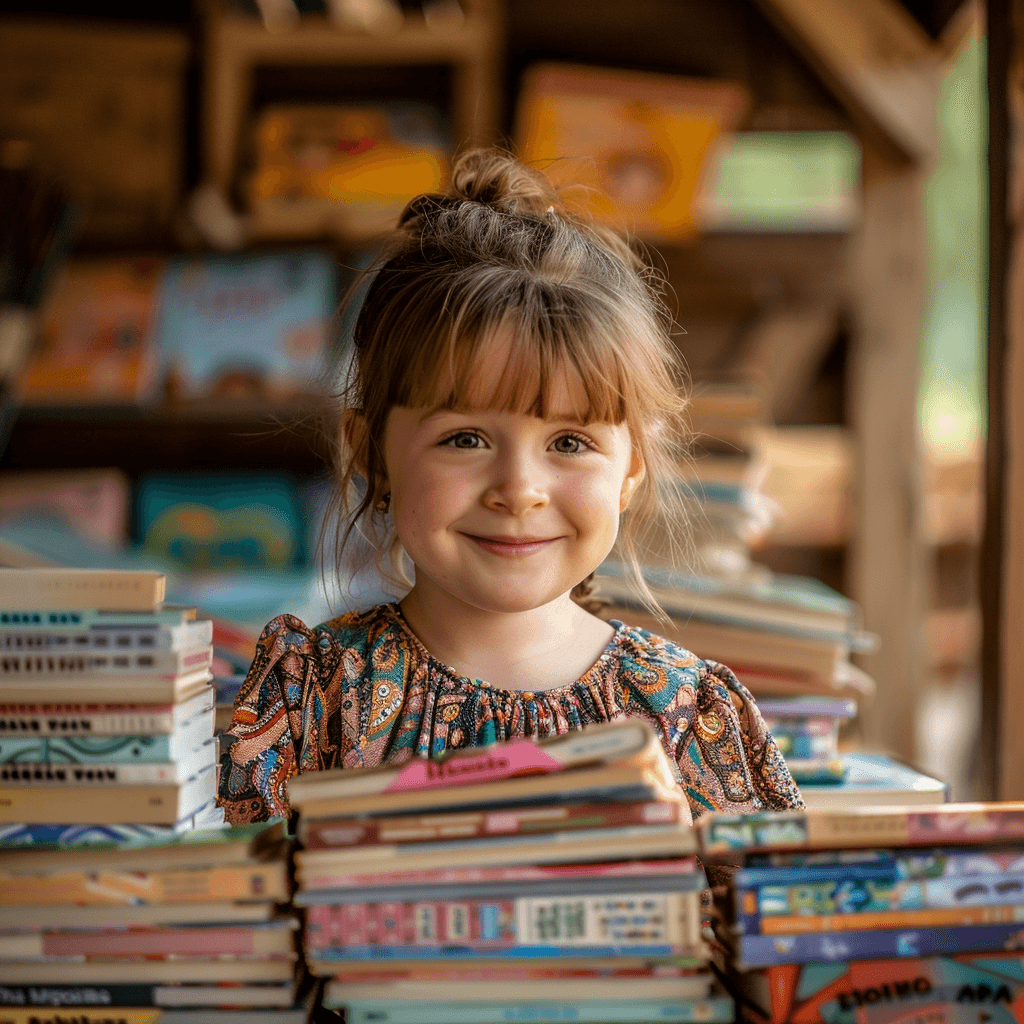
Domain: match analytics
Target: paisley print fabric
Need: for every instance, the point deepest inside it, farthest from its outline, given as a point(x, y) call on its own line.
point(362, 690)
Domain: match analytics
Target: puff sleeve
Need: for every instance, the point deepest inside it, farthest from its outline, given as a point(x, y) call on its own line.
point(262, 748)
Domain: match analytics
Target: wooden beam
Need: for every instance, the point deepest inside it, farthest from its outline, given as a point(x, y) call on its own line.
point(1003, 555)
point(879, 62)
point(888, 565)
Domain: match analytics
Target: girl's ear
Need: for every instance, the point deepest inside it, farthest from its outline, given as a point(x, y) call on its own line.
point(634, 478)
point(356, 436)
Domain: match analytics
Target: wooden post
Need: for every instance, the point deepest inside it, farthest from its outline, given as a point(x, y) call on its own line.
point(1003, 557)
point(887, 557)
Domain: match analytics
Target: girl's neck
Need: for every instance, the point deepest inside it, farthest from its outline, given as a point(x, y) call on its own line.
point(538, 649)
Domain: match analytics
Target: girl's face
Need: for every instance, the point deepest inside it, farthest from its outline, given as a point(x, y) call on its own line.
point(506, 511)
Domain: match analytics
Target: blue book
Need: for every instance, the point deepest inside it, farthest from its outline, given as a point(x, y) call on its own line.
point(356, 954)
point(753, 951)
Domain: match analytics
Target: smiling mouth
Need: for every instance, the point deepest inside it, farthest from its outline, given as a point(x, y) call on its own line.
point(511, 547)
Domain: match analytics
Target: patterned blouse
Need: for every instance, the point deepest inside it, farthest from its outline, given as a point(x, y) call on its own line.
point(362, 690)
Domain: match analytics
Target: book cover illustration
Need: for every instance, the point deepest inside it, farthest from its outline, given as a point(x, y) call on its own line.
point(246, 326)
point(644, 137)
point(354, 165)
point(97, 343)
point(969, 989)
point(221, 521)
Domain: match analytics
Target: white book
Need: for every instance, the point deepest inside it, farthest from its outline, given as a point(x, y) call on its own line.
point(118, 635)
point(90, 718)
point(86, 663)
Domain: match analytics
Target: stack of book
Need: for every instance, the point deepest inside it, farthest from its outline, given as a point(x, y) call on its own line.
point(723, 481)
point(95, 918)
point(523, 881)
point(873, 915)
point(807, 732)
point(106, 707)
point(106, 736)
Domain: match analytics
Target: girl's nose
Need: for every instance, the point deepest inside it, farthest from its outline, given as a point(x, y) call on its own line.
point(518, 485)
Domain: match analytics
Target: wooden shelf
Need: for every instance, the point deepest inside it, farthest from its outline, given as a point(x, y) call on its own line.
point(317, 39)
point(225, 436)
point(236, 47)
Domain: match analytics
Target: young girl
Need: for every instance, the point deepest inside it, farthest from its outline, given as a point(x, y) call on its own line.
point(514, 392)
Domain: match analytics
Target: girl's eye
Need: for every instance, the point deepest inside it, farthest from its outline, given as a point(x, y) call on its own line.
point(570, 444)
point(463, 439)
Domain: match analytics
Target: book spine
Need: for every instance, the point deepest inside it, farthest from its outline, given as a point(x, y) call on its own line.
point(795, 830)
point(92, 719)
point(145, 723)
point(630, 919)
point(78, 618)
point(162, 804)
point(479, 891)
point(713, 1010)
point(201, 942)
point(941, 862)
point(92, 636)
point(321, 835)
point(157, 688)
point(947, 917)
point(755, 951)
point(29, 998)
point(474, 767)
point(83, 1014)
point(99, 773)
point(261, 882)
point(124, 590)
point(75, 664)
point(818, 906)
point(317, 869)
point(514, 873)
point(64, 751)
point(326, 962)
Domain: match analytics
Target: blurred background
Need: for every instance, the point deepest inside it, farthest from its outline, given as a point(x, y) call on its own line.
point(188, 188)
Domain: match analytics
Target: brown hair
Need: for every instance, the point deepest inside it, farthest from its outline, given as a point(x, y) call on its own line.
point(498, 253)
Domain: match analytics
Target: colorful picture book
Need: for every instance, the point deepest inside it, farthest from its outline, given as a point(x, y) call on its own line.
point(98, 339)
point(221, 521)
point(641, 139)
point(246, 326)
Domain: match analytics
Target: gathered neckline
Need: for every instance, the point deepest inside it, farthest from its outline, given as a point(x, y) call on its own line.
point(611, 648)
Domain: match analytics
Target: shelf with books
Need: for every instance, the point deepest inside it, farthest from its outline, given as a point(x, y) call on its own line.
point(369, 83)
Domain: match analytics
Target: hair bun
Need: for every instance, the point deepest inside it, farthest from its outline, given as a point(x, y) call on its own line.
point(500, 181)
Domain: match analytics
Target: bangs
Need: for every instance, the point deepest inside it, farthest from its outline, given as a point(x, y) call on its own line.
point(526, 360)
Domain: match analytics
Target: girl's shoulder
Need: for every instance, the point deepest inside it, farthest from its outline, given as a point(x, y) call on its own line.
point(353, 631)
point(649, 659)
